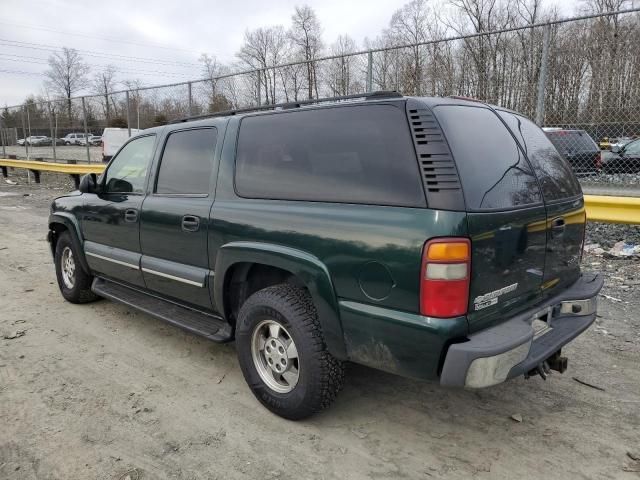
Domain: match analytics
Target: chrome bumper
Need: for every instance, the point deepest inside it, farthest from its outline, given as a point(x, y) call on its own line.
point(521, 343)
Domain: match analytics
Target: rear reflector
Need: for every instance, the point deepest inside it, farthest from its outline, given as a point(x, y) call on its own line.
point(445, 277)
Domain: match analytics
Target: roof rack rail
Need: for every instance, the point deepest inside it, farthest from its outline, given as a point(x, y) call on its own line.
point(289, 105)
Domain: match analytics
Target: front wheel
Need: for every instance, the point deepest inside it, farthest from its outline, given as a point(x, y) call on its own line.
point(73, 281)
point(283, 355)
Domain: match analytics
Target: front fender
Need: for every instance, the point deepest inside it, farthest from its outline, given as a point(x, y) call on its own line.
point(71, 223)
point(313, 273)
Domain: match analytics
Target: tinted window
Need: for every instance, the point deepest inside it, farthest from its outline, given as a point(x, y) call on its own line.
point(556, 177)
point(567, 142)
point(493, 171)
point(187, 162)
point(128, 170)
point(354, 154)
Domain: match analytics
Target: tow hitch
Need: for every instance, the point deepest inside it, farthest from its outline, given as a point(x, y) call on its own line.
point(555, 362)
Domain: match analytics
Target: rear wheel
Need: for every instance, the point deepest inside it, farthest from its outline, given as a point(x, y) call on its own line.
point(282, 353)
point(73, 281)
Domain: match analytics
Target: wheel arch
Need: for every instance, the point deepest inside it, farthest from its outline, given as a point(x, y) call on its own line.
point(63, 222)
point(235, 261)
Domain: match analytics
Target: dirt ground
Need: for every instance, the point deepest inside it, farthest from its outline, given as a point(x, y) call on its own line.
point(99, 391)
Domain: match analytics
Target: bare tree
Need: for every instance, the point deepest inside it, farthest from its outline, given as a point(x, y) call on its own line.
point(409, 25)
point(67, 74)
point(212, 69)
point(477, 16)
point(104, 82)
point(292, 78)
point(306, 37)
point(341, 71)
point(263, 48)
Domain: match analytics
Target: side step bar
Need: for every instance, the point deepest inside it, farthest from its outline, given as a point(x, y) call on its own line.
point(208, 326)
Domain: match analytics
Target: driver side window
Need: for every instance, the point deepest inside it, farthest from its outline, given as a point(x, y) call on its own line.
point(128, 170)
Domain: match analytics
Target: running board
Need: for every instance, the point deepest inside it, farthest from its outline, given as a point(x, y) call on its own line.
point(208, 326)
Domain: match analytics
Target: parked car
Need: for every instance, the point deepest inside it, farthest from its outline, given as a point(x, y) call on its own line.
point(38, 141)
point(620, 142)
point(74, 138)
point(113, 139)
point(435, 238)
point(625, 159)
point(93, 140)
point(580, 150)
point(35, 141)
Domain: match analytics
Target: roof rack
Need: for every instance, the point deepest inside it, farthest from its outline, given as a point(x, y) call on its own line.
point(289, 105)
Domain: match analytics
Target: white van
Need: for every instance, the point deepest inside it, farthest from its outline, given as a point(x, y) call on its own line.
point(113, 139)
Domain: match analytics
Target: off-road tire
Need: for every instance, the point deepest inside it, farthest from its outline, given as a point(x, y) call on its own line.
point(321, 376)
point(81, 290)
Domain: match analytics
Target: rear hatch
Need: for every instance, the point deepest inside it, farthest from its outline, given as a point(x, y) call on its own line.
point(524, 210)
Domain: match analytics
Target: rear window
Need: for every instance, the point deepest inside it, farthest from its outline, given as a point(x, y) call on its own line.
point(556, 177)
point(493, 171)
point(574, 141)
point(351, 154)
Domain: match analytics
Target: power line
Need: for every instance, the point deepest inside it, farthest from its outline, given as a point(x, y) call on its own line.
point(17, 72)
point(91, 53)
point(153, 73)
point(103, 66)
point(111, 39)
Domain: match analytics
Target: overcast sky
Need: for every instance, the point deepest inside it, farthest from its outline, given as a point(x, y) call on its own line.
point(165, 37)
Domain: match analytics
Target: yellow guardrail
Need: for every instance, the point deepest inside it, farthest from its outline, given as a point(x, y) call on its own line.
point(600, 208)
point(603, 208)
point(69, 168)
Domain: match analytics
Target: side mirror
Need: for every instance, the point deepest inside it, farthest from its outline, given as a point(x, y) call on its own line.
point(616, 148)
point(88, 183)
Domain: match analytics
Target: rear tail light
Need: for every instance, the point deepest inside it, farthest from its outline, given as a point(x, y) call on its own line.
point(599, 160)
point(445, 277)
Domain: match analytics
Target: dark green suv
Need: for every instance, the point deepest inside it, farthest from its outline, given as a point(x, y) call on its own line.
point(435, 238)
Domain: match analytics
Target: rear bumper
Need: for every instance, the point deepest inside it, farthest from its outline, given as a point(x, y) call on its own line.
point(513, 348)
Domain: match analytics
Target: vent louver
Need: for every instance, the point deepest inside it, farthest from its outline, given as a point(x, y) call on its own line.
point(439, 173)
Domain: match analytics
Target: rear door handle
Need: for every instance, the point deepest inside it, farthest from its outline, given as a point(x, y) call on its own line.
point(557, 225)
point(190, 223)
point(130, 215)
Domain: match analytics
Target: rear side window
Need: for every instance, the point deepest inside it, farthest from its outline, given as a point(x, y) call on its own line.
point(354, 154)
point(187, 162)
point(493, 171)
point(557, 180)
point(575, 141)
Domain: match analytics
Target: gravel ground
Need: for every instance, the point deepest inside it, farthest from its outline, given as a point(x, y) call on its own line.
point(621, 180)
point(607, 234)
point(101, 391)
point(74, 152)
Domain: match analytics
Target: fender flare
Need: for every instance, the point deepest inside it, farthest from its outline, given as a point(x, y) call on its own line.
point(308, 268)
point(70, 222)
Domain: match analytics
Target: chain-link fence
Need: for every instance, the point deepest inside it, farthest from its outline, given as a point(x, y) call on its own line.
point(578, 78)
